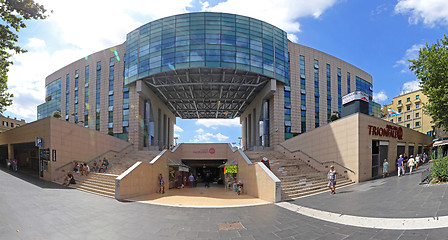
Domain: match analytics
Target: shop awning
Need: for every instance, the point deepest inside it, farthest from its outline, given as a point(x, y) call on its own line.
point(175, 163)
point(440, 143)
point(228, 163)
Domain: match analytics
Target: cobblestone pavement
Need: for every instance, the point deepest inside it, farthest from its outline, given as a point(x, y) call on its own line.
point(34, 209)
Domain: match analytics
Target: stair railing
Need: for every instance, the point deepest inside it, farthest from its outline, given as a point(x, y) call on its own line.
point(317, 161)
point(94, 158)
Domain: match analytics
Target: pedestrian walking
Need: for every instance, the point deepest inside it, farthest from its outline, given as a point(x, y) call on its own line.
point(14, 164)
point(405, 162)
point(385, 168)
point(417, 161)
point(191, 180)
point(411, 164)
point(161, 184)
point(400, 165)
point(332, 180)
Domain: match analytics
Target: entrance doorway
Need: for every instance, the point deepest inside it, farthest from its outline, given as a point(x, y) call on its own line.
point(207, 171)
point(375, 158)
point(380, 150)
point(27, 155)
point(3, 155)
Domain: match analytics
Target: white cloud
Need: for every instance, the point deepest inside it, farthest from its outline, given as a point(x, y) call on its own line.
point(411, 53)
point(178, 129)
point(380, 97)
point(95, 25)
point(431, 12)
point(36, 43)
point(281, 13)
point(219, 122)
point(209, 137)
point(410, 86)
point(221, 137)
point(200, 131)
point(74, 30)
point(293, 38)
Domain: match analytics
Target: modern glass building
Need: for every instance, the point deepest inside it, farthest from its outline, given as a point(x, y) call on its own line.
point(204, 65)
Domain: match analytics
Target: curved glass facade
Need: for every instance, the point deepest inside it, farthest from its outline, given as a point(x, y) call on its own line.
point(207, 39)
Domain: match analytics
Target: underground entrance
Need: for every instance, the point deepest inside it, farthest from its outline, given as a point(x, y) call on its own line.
point(27, 156)
point(186, 171)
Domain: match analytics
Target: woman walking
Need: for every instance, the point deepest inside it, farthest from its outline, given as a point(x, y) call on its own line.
point(385, 168)
point(332, 180)
point(411, 164)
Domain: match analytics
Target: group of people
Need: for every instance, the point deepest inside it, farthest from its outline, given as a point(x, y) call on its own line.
point(404, 161)
point(84, 168)
point(182, 181)
point(12, 164)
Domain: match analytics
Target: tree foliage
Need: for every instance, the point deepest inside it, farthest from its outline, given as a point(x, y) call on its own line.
point(334, 117)
point(56, 114)
point(431, 68)
point(13, 14)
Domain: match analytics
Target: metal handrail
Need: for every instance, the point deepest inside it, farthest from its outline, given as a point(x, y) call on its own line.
point(321, 163)
point(96, 157)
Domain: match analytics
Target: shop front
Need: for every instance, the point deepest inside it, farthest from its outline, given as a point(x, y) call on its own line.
point(177, 173)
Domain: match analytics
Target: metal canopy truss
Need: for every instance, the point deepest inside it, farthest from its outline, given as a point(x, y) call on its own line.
point(207, 92)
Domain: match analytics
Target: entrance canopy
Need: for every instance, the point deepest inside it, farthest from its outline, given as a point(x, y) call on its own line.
point(206, 92)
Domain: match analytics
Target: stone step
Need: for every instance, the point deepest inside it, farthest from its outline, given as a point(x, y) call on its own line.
point(108, 188)
point(98, 183)
point(314, 187)
point(289, 184)
point(95, 190)
point(302, 177)
point(298, 186)
point(317, 190)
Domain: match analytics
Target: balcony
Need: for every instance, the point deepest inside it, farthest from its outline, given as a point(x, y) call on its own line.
point(417, 100)
point(408, 103)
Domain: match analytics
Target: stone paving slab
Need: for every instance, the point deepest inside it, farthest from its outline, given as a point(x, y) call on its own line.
point(45, 211)
point(391, 197)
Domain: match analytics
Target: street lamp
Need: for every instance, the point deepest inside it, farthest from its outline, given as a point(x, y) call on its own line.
point(175, 141)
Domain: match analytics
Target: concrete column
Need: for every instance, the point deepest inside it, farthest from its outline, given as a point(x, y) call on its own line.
point(243, 131)
point(277, 116)
point(10, 151)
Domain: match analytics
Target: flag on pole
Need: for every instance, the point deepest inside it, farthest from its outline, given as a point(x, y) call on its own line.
point(392, 112)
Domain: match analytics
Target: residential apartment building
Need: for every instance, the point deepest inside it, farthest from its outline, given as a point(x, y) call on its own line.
point(409, 107)
point(10, 123)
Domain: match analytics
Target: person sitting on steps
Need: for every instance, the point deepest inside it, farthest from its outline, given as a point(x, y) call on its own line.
point(69, 179)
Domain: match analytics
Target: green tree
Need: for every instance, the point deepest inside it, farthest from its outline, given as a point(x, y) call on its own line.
point(334, 117)
point(13, 15)
point(431, 68)
point(56, 114)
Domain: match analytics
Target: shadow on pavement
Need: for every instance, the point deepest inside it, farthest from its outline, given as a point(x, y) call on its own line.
point(33, 179)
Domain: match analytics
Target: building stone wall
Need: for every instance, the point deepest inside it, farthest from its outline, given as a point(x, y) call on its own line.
point(310, 54)
point(347, 141)
point(71, 142)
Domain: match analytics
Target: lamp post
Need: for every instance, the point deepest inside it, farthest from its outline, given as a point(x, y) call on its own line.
point(175, 141)
point(240, 138)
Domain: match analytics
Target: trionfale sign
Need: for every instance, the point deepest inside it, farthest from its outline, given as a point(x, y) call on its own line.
point(389, 131)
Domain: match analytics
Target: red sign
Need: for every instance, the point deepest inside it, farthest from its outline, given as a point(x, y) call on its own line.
point(211, 150)
point(389, 131)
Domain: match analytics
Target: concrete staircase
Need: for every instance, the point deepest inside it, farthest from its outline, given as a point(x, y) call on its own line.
point(298, 178)
point(104, 183)
point(98, 183)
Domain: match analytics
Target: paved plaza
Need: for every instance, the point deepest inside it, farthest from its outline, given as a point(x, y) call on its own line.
point(35, 209)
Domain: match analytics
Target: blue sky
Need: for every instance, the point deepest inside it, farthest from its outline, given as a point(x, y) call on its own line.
point(378, 36)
